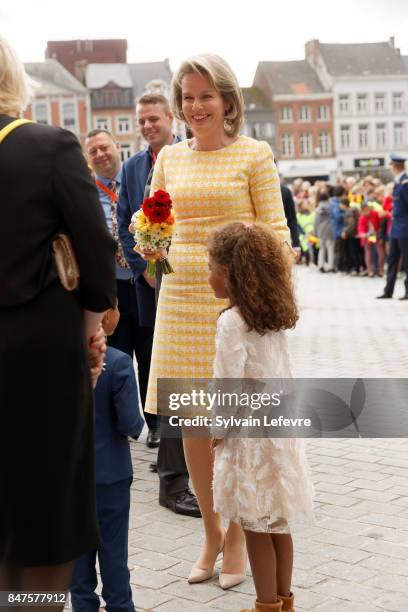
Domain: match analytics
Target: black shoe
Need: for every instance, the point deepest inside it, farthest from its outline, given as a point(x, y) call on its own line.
point(153, 439)
point(404, 297)
point(183, 503)
point(384, 296)
point(153, 468)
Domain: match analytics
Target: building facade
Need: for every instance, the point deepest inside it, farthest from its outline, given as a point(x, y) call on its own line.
point(303, 112)
point(59, 99)
point(259, 116)
point(114, 91)
point(369, 83)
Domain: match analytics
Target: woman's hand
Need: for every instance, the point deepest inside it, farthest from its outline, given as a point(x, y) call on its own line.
point(97, 350)
point(150, 255)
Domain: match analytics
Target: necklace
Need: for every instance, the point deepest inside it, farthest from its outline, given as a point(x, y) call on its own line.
point(193, 146)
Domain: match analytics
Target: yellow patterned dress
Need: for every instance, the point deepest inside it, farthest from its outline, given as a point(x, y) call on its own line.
point(209, 189)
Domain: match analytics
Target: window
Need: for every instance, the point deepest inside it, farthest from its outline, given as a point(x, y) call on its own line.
point(362, 104)
point(344, 104)
point(125, 151)
point(41, 113)
point(286, 113)
point(68, 115)
point(267, 129)
point(305, 145)
point(323, 112)
point(304, 113)
point(123, 125)
point(399, 136)
point(379, 101)
point(247, 129)
point(345, 137)
point(324, 143)
point(256, 131)
point(287, 145)
point(397, 102)
point(381, 135)
point(102, 123)
point(363, 136)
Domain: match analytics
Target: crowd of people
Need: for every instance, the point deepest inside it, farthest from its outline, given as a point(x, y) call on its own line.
point(346, 227)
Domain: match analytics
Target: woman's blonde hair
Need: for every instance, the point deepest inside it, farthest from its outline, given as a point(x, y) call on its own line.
point(15, 84)
point(221, 78)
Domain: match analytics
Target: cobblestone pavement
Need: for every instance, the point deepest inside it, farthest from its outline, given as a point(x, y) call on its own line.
point(355, 559)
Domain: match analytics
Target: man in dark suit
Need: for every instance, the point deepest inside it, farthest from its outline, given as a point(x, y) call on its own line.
point(156, 124)
point(134, 333)
point(399, 228)
point(290, 214)
point(117, 416)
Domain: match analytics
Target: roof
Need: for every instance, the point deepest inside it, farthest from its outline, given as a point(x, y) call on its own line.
point(362, 59)
point(144, 72)
point(135, 76)
point(53, 78)
point(99, 75)
point(294, 77)
point(255, 99)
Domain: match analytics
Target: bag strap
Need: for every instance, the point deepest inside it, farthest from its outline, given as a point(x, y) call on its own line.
point(11, 126)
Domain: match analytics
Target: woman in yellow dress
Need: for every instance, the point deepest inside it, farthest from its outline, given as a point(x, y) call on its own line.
point(215, 178)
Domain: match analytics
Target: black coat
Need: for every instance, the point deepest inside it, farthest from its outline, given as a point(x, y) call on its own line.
point(46, 408)
point(290, 214)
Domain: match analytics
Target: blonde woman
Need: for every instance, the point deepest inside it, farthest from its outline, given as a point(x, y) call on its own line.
point(214, 178)
point(47, 513)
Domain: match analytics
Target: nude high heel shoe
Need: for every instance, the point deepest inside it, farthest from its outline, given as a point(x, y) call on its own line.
point(198, 574)
point(227, 581)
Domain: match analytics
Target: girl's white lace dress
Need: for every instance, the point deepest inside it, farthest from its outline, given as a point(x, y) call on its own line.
point(262, 483)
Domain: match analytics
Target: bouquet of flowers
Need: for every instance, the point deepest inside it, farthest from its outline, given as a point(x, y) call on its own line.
point(152, 227)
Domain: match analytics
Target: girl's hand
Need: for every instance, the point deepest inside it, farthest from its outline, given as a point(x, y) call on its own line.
point(216, 442)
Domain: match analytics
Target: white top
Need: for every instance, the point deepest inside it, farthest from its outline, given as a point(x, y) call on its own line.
point(246, 354)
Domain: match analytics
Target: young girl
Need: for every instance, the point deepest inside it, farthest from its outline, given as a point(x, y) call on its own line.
point(262, 484)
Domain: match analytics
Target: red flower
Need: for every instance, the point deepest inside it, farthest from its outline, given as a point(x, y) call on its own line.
point(159, 214)
point(162, 196)
point(148, 205)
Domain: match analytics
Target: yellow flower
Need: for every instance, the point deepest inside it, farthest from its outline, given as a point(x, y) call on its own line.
point(141, 222)
point(166, 230)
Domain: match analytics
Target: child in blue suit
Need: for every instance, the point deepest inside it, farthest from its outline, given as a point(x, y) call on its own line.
point(117, 416)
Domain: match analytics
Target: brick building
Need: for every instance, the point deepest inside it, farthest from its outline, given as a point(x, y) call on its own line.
point(369, 82)
point(75, 55)
point(59, 99)
point(303, 112)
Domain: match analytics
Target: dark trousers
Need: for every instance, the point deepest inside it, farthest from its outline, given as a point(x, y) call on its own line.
point(343, 260)
point(398, 251)
point(131, 338)
point(357, 254)
point(171, 464)
point(113, 503)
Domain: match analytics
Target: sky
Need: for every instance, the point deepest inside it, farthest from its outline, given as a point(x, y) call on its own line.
point(243, 32)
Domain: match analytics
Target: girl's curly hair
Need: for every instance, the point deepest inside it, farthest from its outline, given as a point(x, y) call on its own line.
point(259, 275)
